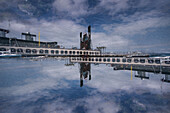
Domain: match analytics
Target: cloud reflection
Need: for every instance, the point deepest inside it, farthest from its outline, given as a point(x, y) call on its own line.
point(56, 89)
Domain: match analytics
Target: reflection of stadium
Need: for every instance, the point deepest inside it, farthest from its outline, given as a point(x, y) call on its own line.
point(166, 78)
point(142, 75)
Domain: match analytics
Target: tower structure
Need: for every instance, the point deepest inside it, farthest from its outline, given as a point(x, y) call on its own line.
point(85, 40)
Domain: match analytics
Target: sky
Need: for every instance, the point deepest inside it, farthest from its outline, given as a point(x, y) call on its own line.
point(120, 25)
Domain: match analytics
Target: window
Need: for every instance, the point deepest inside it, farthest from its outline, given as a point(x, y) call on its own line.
point(167, 62)
point(150, 61)
point(157, 61)
point(13, 50)
point(56, 51)
point(2, 49)
point(34, 51)
point(28, 50)
point(78, 52)
point(123, 60)
point(46, 51)
point(66, 52)
point(41, 51)
point(74, 52)
point(118, 60)
point(96, 59)
point(19, 50)
point(136, 60)
point(129, 60)
point(113, 59)
point(100, 59)
point(62, 51)
point(142, 60)
point(92, 59)
point(52, 51)
point(104, 60)
point(89, 59)
point(108, 60)
point(70, 52)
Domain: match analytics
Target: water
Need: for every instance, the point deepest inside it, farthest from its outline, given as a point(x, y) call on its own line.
point(48, 86)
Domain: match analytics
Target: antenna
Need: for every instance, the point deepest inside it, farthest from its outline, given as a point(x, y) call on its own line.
point(9, 24)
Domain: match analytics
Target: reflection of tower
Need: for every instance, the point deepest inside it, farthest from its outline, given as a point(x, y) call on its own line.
point(166, 78)
point(85, 71)
point(142, 75)
point(85, 40)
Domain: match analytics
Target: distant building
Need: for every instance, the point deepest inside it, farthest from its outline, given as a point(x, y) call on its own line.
point(85, 41)
point(3, 32)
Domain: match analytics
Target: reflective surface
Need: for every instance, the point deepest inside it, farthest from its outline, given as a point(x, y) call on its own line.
point(49, 86)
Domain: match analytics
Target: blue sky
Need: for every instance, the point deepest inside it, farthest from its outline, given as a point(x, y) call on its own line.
point(120, 25)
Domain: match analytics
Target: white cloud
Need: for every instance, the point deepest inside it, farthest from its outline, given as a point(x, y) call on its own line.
point(114, 6)
point(109, 40)
point(137, 27)
point(71, 7)
point(99, 104)
point(65, 32)
point(121, 80)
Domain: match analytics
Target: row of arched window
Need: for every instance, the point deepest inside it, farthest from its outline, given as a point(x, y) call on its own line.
point(157, 61)
point(41, 51)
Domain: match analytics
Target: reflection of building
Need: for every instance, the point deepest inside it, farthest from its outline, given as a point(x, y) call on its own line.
point(166, 78)
point(85, 71)
point(142, 75)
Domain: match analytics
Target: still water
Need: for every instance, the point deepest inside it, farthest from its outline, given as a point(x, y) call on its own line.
point(48, 86)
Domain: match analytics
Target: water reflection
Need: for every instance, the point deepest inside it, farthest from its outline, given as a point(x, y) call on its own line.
point(49, 86)
point(166, 78)
point(142, 75)
point(85, 72)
